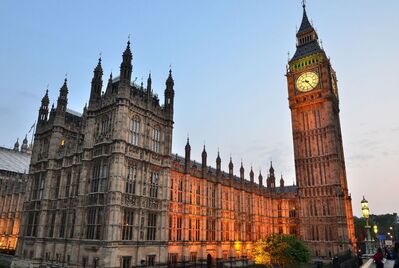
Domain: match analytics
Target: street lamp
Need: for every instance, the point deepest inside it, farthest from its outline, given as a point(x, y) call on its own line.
point(368, 241)
point(375, 229)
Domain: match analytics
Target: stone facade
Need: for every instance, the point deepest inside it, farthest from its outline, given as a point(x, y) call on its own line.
point(14, 166)
point(215, 216)
point(106, 191)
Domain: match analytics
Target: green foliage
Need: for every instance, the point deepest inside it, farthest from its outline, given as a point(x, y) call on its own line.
point(280, 249)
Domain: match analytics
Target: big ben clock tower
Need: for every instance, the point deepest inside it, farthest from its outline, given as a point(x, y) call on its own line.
point(326, 218)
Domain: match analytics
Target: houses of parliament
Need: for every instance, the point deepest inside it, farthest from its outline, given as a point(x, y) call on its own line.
point(106, 190)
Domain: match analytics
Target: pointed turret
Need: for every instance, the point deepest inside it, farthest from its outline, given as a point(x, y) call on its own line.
point(242, 172)
point(169, 95)
point(231, 168)
point(281, 181)
point(43, 110)
point(62, 99)
point(271, 169)
point(149, 88)
point(16, 145)
point(204, 158)
point(24, 146)
point(251, 175)
point(260, 178)
point(271, 179)
point(218, 165)
point(108, 91)
point(126, 66)
point(187, 155)
point(96, 85)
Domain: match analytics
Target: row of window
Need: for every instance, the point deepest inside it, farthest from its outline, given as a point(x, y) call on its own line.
point(194, 230)
point(95, 217)
point(131, 181)
point(135, 135)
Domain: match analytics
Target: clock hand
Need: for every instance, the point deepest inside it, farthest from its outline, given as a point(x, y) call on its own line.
point(308, 83)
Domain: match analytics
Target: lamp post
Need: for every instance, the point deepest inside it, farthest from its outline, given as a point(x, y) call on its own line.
point(375, 229)
point(368, 241)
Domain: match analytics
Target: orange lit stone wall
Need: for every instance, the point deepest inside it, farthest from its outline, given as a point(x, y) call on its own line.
point(220, 217)
point(12, 190)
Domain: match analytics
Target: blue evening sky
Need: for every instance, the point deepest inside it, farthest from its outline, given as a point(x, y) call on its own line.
point(228, 60)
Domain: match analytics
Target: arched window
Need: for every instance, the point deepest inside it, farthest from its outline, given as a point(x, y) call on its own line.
point(156, 140)
point(135, 131)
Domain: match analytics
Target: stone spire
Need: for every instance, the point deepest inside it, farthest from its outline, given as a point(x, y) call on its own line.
point(260, 178)
point(204, 158)
point(149, 88)
point(242, 172)
point(24, 147)
point(169, 95)
point(126, 66)
point(108, 91)
point(187, 155)
point(251, 175)
point(271, 179)
point(62, 99)
point(231, 168)
point(43, 110)
point(96, 85)
point(281, 181)
point(16, 145)
point(218, 165)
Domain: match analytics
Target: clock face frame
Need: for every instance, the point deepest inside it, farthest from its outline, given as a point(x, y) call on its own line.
point(307, 81)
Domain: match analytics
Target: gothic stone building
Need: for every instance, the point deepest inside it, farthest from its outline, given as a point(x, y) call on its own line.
point(106, 190)
point(14, 167)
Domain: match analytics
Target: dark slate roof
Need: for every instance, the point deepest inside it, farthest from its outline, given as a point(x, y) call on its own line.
point(14, 161)
point(305, 24)
point(73, 112)
point(307, 49)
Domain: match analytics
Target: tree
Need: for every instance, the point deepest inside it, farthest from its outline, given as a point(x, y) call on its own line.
point(280, 249)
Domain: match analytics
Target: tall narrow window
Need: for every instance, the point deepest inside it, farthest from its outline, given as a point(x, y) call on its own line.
point(94, 219)
point(131, 180)
point(62, 223)
point(100, 174)
point(156, 140)
point(135, 132)
point(127, 228)
point(57, 187)
point(126, 261)
point(179, 229)
point(33, 218)
point(151, 226)
point(198, 195)
point(73, 221)
point(68, 184)
point(197, 229)
point(180, 192)
point(52, 223)
point(154, 185)
point(190, 231)
point(38, 187)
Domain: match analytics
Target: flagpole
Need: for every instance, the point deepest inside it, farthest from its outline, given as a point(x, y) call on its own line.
point(33, 134)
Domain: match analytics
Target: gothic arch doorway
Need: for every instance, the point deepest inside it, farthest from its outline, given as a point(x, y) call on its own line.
point(209, 260)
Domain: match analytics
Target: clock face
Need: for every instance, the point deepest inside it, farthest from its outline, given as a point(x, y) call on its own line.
point(307, 81)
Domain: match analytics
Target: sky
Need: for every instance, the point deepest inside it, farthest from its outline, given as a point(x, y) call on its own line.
point(228, 60)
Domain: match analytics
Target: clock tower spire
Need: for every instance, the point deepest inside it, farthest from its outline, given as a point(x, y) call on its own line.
point(326, 218)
